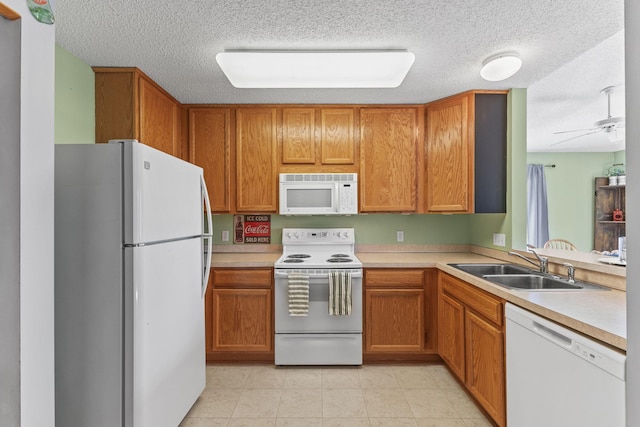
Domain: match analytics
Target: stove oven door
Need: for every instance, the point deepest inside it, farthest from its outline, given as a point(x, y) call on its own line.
point(318, 319)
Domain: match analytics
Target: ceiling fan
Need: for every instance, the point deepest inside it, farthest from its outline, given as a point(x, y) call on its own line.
point(608, 126)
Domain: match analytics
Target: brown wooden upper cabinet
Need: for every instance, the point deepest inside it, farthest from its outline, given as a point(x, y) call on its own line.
point(299, 136)
point(211, 147)
point(389, 158)
point(256, 166)
point(449, 155)
point(129, 105)
point(466, 150)
point(460, 167)
point(318, 136)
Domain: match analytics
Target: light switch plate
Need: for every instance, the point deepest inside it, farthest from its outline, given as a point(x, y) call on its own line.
point(225, 235)
point(499, 239)
point(400, 236)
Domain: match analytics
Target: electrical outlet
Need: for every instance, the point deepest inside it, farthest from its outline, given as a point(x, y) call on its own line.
point(499, 239)
point(400, 236)
point(225, 235)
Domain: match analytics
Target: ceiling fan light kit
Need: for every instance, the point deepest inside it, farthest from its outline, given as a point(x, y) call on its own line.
point(500, 66)
point(608, 126)
point(315, 69)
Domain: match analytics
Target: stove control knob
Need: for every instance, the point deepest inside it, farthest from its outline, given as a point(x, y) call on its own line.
point(289, 235)
point(346, 234)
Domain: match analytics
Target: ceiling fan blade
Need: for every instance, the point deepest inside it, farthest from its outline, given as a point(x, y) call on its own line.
point(575, 130)
point(576, 137)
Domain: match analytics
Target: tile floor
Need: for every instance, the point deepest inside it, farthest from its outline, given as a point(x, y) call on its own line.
point(371, 395)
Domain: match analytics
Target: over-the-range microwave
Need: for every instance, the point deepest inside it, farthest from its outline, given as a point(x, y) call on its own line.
point(318, 193)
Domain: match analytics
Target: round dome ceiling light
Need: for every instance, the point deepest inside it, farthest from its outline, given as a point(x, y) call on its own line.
point(500, 66)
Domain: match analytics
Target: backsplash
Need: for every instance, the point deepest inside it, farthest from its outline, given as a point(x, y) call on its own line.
point(371, 229)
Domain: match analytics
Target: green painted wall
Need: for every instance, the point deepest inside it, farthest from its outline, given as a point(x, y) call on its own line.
point(373, 229)
point(620, 157)
point(482, 226)
point(74, 113)
point(570, 192)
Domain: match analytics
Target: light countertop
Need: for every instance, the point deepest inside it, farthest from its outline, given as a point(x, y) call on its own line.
point(244, 259)
point(598, 314)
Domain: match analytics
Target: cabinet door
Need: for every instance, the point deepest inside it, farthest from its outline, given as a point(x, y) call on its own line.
point(451, 334)
point(485, 365)
point(256, 170)
point(449, 155)
point(394, 320)
point(242, 320)
point(298, 135)
point(158, 118)
point(210, 148)
point(388, 156)
point(337, 143)
point(116, 109)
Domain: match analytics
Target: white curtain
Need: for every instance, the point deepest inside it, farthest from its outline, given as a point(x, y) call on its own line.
point(537, 211)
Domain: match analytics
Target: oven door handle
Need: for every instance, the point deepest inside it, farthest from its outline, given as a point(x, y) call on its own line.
point(357, 274)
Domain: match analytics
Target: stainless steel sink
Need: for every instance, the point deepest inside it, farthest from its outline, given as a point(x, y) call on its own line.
point(517, 277)
point(492, 269)
point(530, 282)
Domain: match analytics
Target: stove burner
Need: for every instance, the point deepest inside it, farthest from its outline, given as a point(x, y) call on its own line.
point(299, 256)
point(339, 260)
point(340, 256)
point(293, 260)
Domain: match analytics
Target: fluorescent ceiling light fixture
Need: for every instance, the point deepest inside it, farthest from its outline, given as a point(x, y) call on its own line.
point(500, 66)
point(316, 69)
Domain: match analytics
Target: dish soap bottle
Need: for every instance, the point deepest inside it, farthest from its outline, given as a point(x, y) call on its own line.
point(41, 10)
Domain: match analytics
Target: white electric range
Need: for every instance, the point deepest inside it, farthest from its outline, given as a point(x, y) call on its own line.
point(317, 337)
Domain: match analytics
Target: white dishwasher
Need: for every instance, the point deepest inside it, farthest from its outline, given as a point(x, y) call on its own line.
point(557, 377)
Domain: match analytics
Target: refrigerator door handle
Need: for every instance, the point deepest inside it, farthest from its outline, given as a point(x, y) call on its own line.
point(207, 235)
point(207, 268)
point(207, 204)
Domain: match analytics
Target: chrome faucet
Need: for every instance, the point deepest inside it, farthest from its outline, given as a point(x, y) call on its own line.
point(544, 262)
point(571, 272)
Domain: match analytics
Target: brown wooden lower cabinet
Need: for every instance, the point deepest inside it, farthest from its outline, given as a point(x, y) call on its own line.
point(451, 334)
point(400, 314)
point(471, 342)
point(239, 315)
point(486, 365)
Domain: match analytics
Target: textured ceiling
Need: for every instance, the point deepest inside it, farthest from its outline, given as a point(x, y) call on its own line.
point(175, 42)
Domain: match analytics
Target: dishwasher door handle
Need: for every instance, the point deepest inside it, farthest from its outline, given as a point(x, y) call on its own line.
point(554, 336)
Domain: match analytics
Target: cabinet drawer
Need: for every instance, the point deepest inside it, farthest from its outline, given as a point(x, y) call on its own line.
point(404, 278)
point(478, 300)
point(259, 278)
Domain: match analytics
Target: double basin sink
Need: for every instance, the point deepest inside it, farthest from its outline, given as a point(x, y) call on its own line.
point(517, 277)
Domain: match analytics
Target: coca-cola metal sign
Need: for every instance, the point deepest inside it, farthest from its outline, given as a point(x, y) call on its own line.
point(252, 228)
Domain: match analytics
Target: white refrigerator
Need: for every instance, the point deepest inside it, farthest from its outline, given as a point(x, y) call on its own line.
point(132, 258)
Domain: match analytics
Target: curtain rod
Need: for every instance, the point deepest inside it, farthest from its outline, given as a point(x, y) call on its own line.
point(550, 166)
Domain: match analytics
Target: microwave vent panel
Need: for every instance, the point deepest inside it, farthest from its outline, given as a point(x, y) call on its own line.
point(318, 177)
